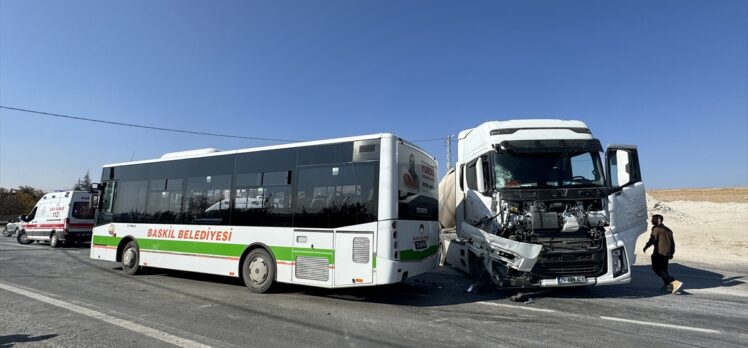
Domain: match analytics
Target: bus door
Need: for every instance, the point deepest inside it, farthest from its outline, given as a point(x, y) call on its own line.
point(353, 257)
point(313, 257)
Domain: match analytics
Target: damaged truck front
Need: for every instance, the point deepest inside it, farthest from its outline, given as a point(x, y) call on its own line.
point(530, 204)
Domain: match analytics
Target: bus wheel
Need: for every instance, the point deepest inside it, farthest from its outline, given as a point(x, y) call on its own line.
point(258, 271)
point(54, 241)
point(131, 258)
point(22, 238)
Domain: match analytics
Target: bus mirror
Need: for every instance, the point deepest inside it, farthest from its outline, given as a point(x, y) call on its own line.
point(95, 201)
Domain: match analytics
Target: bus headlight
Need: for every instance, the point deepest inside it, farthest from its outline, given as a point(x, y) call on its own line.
point(620, 264)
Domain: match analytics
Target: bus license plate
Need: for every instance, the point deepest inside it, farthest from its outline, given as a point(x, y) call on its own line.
point(421, 244)
point(572, 280)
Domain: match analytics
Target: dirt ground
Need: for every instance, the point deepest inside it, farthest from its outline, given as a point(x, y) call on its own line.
point(718, 195)
point(709, 225)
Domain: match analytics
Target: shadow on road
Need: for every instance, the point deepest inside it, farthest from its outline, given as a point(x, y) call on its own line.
point(7, 341)
point(645, 284)
point(446, 286)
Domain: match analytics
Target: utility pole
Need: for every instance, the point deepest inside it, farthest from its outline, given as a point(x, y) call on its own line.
point(449, 153)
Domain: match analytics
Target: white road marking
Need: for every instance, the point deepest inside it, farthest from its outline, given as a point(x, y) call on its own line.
point(144, 330)
point(636, 322)
point(517, 307)
point(669, 326)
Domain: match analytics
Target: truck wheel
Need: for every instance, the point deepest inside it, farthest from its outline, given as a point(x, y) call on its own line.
point(131, 258)
point(53, 240)
point(22, 238)
point(258, 271)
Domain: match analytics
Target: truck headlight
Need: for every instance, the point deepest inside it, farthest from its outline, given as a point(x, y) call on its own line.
point(620, 264)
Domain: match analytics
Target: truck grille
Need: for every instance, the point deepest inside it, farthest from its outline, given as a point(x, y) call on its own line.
point(586, 263)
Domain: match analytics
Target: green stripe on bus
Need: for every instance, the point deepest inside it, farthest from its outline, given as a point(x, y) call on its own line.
point(216, 249)
point(106, 240)
point(417, 255)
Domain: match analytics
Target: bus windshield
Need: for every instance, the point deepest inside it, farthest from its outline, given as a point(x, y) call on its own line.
point(561, 169)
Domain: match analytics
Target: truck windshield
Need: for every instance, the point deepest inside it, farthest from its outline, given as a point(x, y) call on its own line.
point(563, 169)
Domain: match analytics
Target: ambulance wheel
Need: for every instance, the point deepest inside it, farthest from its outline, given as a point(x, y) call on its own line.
point(131, 258)
point(22, 238)
point(258, 271)
point(54, 241)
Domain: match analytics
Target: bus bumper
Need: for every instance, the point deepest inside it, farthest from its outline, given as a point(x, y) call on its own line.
point(391, 271)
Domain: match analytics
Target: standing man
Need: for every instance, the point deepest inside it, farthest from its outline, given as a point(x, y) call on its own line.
point(664, 249)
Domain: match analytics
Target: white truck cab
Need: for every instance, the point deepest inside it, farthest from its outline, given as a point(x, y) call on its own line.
point(532, 203)
point(59, 217)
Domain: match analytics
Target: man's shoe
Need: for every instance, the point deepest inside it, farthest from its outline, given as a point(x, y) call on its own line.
point(677, 284)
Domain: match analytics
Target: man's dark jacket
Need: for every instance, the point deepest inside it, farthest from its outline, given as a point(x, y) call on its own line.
point(662, 239)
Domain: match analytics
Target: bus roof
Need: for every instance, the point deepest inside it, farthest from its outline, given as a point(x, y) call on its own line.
point(199, 154)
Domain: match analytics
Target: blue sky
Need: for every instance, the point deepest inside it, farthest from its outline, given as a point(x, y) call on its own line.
point(669, 76)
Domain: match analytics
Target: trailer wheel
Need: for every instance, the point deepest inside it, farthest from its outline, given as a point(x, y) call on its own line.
point(22, 238)
point(258, 271)
point(54, 241)
point(131, 258)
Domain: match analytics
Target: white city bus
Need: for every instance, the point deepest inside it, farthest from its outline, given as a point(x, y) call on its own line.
point(357, 211)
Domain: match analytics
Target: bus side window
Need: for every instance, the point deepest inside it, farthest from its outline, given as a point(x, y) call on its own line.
point(208, 200)
point(108, 198)
point(164, 201)
point(336, 195)
point(264, 199)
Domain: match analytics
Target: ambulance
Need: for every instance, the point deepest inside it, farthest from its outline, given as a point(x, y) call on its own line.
point(58, 218)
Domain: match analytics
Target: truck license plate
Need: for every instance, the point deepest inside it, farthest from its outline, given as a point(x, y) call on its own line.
point(572, 280)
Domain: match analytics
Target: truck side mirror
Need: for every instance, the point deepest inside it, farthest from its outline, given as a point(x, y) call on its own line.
point(480, 177)
point(622, 166)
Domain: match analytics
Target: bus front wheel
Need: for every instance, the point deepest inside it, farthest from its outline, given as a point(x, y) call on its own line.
point(131, 258)
point(258, 271)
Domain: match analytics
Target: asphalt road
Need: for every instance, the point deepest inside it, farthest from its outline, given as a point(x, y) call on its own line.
point(61, 298)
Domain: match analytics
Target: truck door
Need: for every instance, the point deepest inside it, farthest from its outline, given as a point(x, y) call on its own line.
point(628, 206)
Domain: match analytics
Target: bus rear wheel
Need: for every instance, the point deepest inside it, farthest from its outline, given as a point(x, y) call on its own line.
point(258, 271)
point(131, 258)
